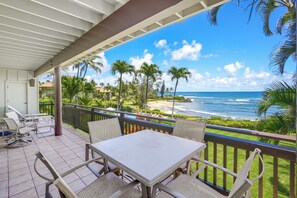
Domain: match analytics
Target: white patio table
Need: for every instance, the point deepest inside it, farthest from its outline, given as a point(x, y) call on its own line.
point(148, 156)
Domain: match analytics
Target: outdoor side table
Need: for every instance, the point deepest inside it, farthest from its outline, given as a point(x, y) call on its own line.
point(148, 156)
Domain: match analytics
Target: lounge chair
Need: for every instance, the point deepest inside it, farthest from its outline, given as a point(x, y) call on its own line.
point(27, 117)
point(103, 130)
point(189, 129)
point(108, 185)
point(19, 133)
point(189, 186)
point(41, 122)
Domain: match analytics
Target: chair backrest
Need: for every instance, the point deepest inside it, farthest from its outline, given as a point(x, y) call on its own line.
point(8, 107)
point(11, 124)
point(104, 130)
point(242, 183)
point(64, 189)
point(13, 115)
point(190, 129)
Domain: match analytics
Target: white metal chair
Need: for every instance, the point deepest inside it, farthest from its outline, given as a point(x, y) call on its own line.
point(103, 130)
point(189, 129)
point(189, 186)
point(25, 116)
point(19, 132)
point(108, 185)
point(40, 122)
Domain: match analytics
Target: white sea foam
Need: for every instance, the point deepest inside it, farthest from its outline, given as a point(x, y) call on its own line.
point(242, 100)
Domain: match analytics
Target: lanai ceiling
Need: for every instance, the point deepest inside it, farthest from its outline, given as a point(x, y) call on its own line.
point(37, 35)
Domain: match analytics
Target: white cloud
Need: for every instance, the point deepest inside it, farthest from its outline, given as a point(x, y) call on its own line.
point(165, 63)
point(161, 43)
point(104, 61)
point(209, 55)
point(219, 69)
point(250, 74)
point(233, 68)
point(195, 75)
point(138, 61)
point(175, 43)
point(187, 51)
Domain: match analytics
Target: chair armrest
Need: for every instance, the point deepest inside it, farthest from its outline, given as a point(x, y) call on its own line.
point(79, 166)
point(213, 165)
point(124, 189)
point(167, 190)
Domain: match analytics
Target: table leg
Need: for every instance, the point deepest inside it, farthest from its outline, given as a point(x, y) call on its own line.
point(144, 191)
point(105, 166)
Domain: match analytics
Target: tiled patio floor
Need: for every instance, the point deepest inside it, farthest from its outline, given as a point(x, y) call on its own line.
point(17, 175)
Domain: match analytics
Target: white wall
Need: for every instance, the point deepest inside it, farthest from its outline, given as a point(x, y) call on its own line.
point(7, 75)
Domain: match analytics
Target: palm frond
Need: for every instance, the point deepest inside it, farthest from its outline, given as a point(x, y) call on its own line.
point(281, 53)
point(212, 15)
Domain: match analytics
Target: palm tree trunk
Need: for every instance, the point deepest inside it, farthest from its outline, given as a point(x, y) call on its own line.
point(146, 92)
point(174, 98)
point(119, 96)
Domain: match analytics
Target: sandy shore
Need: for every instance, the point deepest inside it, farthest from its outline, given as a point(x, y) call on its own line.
point(163, 106)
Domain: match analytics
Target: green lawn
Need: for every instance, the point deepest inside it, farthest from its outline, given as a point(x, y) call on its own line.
point(283, 167)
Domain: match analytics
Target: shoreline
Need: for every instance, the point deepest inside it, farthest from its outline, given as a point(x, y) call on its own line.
point(166, 107)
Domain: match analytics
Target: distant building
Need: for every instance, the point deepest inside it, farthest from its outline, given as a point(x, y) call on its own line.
point(102, 90)
point(46, 89)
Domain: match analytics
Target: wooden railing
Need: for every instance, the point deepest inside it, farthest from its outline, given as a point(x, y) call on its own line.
point(280, 162)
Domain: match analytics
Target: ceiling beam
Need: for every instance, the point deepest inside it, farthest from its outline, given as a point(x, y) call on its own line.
point(18, 25)
point(32, 35)
point(72, 9)
point(99, 6)
point(38, 21)
point(27, 45)
point(40, 11)
point(22, 48)
point(30, 41)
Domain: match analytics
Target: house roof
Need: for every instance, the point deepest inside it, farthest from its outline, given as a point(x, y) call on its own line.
point(102, 90)
point(47, 84)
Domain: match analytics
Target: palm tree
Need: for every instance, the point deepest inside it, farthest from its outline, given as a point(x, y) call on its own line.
point(71, 86)
point(282, 96)
point(121, 67)
point(176, 75)
point(286, 25)
point(83, 66)
point(151, 72)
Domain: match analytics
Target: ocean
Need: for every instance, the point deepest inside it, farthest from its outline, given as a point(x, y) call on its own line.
point(237, 105)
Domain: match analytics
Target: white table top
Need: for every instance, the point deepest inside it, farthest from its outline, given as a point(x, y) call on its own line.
point(146, 155)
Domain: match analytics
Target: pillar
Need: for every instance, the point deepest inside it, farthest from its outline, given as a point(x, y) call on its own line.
point(58, 101)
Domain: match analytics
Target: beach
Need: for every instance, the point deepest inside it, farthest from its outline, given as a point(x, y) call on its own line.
point(235, 105)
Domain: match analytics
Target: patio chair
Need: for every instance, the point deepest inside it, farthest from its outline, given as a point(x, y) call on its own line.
point(15, 117)
point(103, 130)
point(189, 129)
point(189, 186)
point(108, 185)
point(27, 117)
point(44, 122)
point(18, 132)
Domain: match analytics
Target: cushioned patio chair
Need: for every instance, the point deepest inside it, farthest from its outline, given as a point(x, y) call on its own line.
point(108, 185)
point(103, 130)
point(189, 129)
point(189, 186)
point(19, 133)
point(15, 117)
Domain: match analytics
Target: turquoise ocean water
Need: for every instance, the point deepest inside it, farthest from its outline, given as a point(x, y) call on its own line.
point(237, 105)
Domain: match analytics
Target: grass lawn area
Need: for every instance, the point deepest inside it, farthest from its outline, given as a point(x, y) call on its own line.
point(283, 167)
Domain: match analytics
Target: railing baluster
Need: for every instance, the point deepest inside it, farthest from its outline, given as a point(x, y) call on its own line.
point(235, 154)
point(275, 177)
point(260, 183)
point(224, 165)
point(214, 161)
point(206, 158)
point(292, 179)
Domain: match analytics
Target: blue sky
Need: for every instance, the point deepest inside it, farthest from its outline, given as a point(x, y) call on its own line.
point(232, 56)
